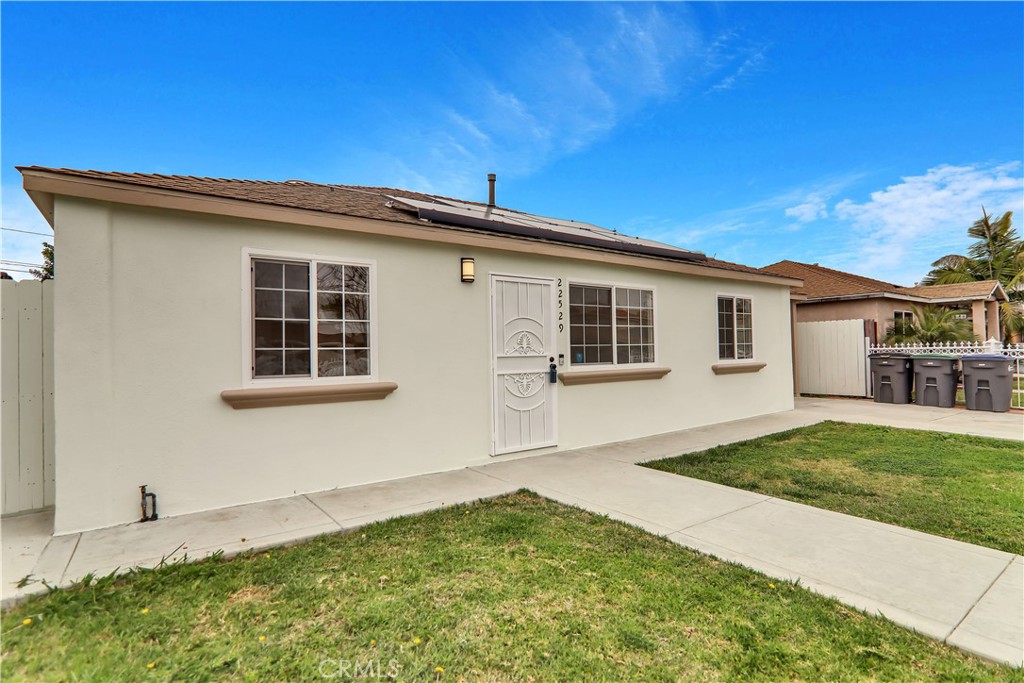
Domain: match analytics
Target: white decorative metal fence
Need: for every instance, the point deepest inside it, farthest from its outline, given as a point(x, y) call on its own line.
point(1014, 352)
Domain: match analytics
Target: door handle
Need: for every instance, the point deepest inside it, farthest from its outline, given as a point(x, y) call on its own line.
point(553, 373)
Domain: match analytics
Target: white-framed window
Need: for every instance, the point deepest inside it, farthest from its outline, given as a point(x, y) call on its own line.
point(310, 319)
point(610, 325)
point(735, 328)
point(905, 317)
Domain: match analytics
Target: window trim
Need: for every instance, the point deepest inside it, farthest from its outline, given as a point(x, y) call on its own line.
point(903, 313)
point(614, 365)
point(248, 380)
point(753, 360)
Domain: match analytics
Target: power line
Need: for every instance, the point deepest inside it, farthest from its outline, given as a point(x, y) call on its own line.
point(27, 264)
point(28, 232)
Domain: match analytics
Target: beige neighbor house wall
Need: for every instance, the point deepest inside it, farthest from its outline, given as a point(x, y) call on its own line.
point(878, 310)
point(149, 330)
point(984, 315)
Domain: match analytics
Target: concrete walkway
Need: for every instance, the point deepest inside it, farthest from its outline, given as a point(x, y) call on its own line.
point(968, 596)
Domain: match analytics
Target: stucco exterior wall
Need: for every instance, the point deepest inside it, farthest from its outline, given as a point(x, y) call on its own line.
point(149, 330)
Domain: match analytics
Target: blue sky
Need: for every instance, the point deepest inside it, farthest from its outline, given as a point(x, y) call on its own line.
point(864, 137)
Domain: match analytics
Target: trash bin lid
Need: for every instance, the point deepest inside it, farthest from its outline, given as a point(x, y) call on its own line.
point(935, 356)
point(986, 356)
point(889, 354)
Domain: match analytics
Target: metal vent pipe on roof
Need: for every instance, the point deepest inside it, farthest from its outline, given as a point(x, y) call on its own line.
point(490, 188)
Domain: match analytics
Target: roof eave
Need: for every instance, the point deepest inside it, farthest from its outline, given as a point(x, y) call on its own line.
point(44, 185)
point(899, 296)
point(868, 295)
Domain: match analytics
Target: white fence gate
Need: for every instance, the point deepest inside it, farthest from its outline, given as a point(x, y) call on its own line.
point(831, 358)
point(26, 390)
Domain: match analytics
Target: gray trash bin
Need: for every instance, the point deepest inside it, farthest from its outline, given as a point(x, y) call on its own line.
point(935, 380)
point(988, 382)
point(891, 377)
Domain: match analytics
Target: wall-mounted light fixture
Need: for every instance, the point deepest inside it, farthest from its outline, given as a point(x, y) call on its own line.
point(468, 269)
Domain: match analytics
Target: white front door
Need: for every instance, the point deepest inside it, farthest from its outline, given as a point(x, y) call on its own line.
point(523, 348)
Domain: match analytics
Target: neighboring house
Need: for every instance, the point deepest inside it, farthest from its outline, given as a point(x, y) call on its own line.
point(230, 341)
point(834, 295)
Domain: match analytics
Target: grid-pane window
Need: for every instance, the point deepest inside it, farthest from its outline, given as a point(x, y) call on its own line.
point(634, 325)
point(726, 329)
point(280, 318)
point(744, 329)
point(590, 324)
point(610, 325)
point(296, 336)
point(735, 328)
point(343, 320)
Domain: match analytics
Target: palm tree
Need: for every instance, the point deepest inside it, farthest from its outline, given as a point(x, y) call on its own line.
point(996, 254)
point(930, 324)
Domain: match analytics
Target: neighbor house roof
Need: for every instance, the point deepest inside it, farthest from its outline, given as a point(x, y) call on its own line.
point(393, 205)
point(826, 284)
point(982, 289)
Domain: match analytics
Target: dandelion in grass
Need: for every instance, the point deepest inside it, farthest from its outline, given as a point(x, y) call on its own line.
point(438, 669)
point(417, 640)
point(145, 610)
point(151, 665)
point(262, 638)
point(26, 621)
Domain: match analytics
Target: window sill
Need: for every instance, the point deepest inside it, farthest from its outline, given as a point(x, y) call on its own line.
point(736, 368)
point(266, 397)
point(572, 377)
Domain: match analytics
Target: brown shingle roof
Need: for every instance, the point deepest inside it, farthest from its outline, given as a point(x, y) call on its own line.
point(825, 282)
point(963, 290)
point(347, 200)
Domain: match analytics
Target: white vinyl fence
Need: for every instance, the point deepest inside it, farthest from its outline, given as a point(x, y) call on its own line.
point(831, 358)
point(1014, 352)
point(26, 388)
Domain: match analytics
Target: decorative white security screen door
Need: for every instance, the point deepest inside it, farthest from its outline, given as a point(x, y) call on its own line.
point(523, 348)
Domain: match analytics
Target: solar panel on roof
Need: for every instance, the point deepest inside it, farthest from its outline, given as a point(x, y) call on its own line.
point(516, 223)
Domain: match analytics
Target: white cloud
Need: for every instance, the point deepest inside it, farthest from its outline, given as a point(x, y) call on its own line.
point(893, 235)
point(750, 64)
point(689, 234)
point(900, 230)
point(813, 209)
point(716, 232)
point(541, 105)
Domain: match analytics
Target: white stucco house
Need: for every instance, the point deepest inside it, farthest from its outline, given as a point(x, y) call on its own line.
point(231, 341)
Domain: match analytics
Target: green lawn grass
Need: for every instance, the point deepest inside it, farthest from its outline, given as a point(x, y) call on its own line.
point(962, 487)
point(514, 589)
